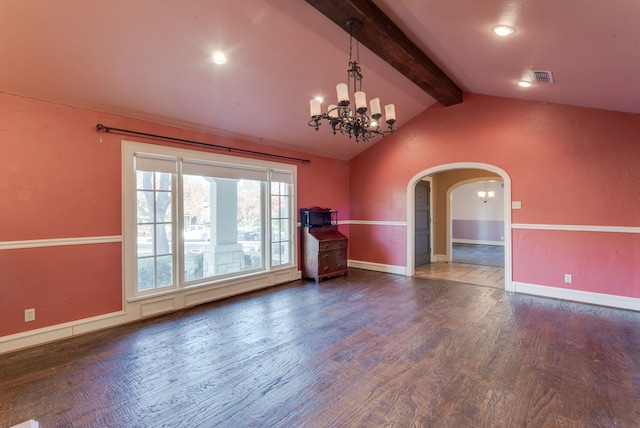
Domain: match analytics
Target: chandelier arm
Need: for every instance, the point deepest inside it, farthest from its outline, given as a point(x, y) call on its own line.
point(315, 122)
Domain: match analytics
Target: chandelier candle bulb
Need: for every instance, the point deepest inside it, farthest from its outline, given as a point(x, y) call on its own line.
point(390, 113)
point(333, 111)
point(343, 93)
point(361, 101)
point(315, 108)
point(375, 108)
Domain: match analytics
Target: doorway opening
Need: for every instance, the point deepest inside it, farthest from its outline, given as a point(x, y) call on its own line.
point(475, 216)
point(443, 180)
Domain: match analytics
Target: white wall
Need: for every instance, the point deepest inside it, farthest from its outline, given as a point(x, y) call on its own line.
point(475, 221)
point(466, 205)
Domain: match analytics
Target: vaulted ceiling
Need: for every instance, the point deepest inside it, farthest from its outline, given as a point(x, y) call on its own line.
point(151, 59)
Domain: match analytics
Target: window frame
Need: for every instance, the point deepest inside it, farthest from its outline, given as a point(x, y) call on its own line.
point(154, 226)
point(274, 171)
point(280, 177)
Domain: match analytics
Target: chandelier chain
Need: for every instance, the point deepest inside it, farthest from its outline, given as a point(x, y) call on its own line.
point(350, 46)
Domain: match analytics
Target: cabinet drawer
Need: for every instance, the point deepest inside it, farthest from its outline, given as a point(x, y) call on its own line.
point(332, 245)
point(332, 261)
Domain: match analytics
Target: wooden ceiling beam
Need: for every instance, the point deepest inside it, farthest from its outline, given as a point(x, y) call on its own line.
point(384, 38)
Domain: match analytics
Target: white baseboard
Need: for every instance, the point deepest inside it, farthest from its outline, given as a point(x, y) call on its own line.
point(439, 258)
point(378, 267)
point(28, 424)
point(601, 299)
point(60, 331)
point(140, 309)
point(49, 334)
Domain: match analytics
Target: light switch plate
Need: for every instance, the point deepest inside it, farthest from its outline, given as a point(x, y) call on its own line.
point(516, 205)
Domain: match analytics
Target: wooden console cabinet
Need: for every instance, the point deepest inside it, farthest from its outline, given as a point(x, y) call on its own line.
point(325, 252)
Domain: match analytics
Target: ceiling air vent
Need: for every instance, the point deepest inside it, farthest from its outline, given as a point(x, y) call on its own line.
point(541, 76)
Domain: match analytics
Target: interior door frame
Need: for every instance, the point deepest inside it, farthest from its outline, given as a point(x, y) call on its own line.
point(410, 268)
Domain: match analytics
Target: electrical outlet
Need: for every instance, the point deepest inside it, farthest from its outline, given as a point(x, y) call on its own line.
point(568, 278)
point(29, 315)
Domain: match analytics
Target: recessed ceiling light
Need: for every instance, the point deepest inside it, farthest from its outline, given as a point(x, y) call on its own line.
point(525, 83)
point(503, 30)
point(219, 58)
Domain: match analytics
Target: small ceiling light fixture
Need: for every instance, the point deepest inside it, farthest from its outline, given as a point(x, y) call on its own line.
point(503, 30)
point(525, 83)
point(218, 58)
point(485, 194)
point(353, 122)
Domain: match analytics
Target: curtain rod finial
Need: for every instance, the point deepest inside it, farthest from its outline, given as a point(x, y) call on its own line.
point(101, 128)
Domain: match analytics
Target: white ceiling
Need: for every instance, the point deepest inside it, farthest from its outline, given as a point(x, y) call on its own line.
point(150, 59)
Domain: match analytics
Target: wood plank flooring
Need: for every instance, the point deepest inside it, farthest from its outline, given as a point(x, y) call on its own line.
point(365, 350)
point(488, 276)
point(478, 254)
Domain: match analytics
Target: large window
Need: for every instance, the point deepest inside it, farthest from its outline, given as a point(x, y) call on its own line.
point(201, 218)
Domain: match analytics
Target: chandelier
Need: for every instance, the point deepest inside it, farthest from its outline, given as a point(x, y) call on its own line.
point(485, 194)
point(353, 122)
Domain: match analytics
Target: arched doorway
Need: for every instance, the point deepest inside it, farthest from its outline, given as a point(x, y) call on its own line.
point(411, 221)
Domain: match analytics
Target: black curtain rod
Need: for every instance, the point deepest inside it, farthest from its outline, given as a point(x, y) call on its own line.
point(101, 128)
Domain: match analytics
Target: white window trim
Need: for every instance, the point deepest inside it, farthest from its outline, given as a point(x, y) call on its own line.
point(219, 287)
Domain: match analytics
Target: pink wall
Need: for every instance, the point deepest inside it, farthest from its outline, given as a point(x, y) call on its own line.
point(599, 262)
point(62, 283)
point(568, 166)
point(57, 180)
point(386, 245)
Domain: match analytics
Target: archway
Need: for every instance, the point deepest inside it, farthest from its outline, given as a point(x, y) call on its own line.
point(508, 285)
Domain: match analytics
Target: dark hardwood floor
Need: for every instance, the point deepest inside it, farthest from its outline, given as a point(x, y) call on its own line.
point(365, 350)
point(478, 254)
